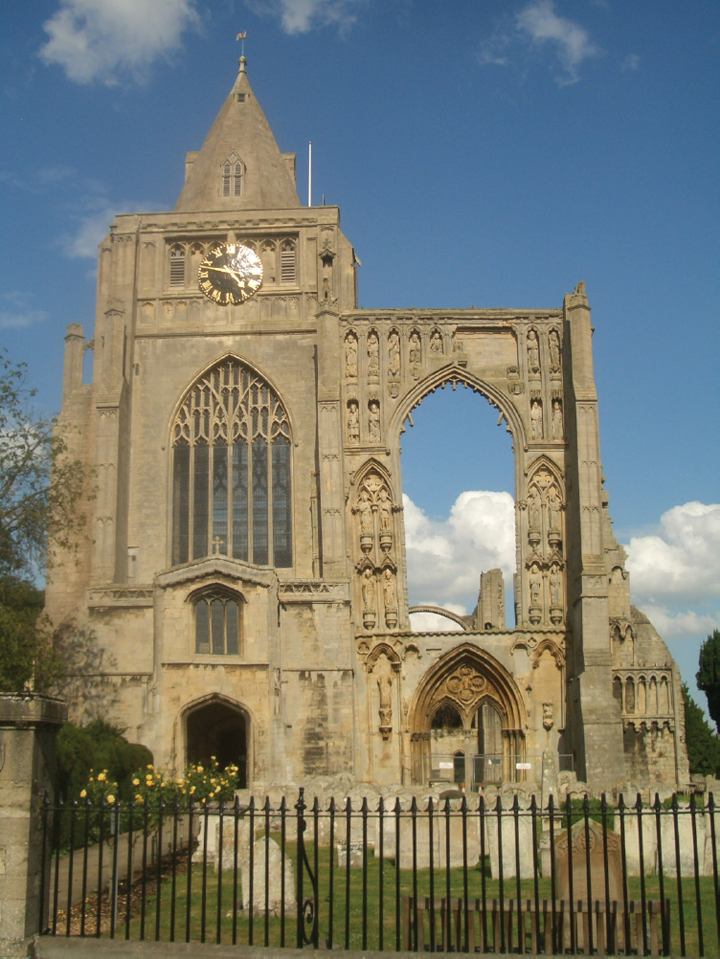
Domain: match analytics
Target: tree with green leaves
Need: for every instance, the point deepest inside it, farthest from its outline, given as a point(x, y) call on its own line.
point(703, 745)
point(41, 488)
point(708, 676)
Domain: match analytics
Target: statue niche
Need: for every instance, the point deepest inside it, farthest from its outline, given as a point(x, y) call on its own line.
point(545, 562)
point(375, 535)
point(351, 356)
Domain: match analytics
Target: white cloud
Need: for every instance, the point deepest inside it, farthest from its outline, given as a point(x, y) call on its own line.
point(538, 27)
point(681, 562)
point(94, 225)
point(19, 313)
point(539, 22)
point(301, 16)
point(682, 625)
point(630, 63)
point(445, 558)
point(102, 39)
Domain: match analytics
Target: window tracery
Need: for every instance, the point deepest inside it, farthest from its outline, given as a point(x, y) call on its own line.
point(232, 176)
point(218, 622)
point(232, 470)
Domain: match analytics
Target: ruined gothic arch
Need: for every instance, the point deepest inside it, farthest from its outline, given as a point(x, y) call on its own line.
point(465, 679)
point(217, 725)
point(494, 682)
point(440, 611)
point(454, 374)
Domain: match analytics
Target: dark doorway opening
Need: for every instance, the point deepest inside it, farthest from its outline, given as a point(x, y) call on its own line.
point(220, 730)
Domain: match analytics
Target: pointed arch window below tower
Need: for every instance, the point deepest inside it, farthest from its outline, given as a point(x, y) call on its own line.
point(218, 623)
point(232, 471)
point(288, 267)
point(177, 266)
point(232, 176)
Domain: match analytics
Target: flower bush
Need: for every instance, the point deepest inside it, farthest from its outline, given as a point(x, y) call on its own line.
point(100, 787)
point(205, 784)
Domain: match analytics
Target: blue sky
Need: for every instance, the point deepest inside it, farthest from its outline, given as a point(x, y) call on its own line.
point(482, 152)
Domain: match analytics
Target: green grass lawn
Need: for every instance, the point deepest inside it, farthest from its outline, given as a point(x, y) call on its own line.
point(360, 910)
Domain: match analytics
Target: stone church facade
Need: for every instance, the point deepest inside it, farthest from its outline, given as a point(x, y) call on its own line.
point(243, 590)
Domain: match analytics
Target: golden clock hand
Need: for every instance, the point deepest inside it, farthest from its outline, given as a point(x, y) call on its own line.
point(223, 269)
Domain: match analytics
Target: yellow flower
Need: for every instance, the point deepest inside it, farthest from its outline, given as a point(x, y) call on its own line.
point(200, 769)
point(192, 790)
point(149, 766)
point(138, 798)
point(111, 798)
point(136, 782)
point(83, 794)
point(92, 780)
point(217, 790)
point(101, 777)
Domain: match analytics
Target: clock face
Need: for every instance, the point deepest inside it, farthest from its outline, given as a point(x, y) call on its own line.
point(230, 274)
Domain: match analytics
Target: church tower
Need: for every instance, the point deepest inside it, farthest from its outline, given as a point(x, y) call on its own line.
point(242, 592)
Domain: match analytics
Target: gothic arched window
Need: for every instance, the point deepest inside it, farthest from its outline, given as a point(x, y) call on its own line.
point(232, 176)
point(232, 471)
point(288, 273)
point(218, 622)
point(177, 265)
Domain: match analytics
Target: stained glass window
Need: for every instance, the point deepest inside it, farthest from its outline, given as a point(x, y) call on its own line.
point(232, 470)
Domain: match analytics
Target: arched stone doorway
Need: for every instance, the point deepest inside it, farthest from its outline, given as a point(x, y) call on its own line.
point(469, 705)
point(217, 727)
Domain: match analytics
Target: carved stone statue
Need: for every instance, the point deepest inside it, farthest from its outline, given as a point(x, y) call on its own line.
point(436, 343)
point(534, 509)
point(533, 351)
point(548, 718)
point(384, 683)
point(389, 591)
point(554, 345)
point(394, 354)
point(351, 352)
point(365, 511)
point(535, 587)
point(374, 421)
point(373, 351)
point(384, 509)
point(415, 349)
point(353, 422)
point(554, 504)
point(536, 423)
point(368, 590)
point(557, 420)
point(555, 587)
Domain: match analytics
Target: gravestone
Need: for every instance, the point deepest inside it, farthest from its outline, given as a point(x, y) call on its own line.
point(277, 866)
point(574, 849)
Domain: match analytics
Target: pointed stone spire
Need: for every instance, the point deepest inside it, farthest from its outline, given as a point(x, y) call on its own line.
point(240, 166)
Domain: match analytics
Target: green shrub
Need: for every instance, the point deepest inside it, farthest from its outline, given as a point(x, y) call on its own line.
point(81, 749)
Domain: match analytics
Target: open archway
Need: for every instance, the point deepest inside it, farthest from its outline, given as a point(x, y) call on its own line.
point(467, 703)
point(217, 727)
point(460, 519)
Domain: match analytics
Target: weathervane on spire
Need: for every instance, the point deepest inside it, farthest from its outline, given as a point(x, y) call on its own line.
point(241, 37)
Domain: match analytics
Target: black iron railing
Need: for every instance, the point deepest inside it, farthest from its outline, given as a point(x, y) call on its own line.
point(458, 874)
